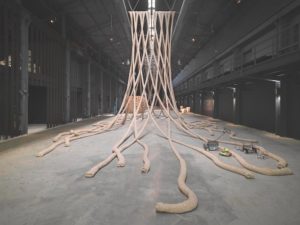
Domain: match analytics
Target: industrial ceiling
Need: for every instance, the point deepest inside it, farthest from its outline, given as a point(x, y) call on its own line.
point(105, 24)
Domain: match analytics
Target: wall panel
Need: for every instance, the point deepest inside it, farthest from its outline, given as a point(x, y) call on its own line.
point(257, 105)
point(208, 105)
point(46, 68)
point(293, 106)
point(225, 107)
point(9, 70)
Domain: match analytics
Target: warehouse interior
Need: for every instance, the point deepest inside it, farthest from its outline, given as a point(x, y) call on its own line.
point(65, 72)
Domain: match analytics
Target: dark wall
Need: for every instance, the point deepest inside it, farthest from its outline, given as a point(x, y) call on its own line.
point(225, 104)
point(293, 107)
point(208, 105)
point(198, 103)
point(37, 105)
point(252, 14)
point(191, 102)
point(9, 72)
point(257, 105)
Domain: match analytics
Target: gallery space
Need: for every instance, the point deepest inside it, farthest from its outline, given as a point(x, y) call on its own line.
point(149, 112)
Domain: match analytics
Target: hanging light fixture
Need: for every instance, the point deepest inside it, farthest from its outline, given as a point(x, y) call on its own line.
point(52, 20)
point(111, 29)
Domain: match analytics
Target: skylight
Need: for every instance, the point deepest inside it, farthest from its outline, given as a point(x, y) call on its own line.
point(151, 4)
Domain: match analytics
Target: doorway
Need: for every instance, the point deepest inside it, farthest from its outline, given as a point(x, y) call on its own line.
point(37, 105)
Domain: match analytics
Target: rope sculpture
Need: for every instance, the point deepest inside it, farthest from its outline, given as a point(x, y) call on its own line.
point(149, 89)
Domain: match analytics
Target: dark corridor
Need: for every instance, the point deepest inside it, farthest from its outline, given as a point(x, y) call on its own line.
point(37, 105)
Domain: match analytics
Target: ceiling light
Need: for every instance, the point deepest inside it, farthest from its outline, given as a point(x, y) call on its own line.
point(123, 62)
point(52, 20)
point(238, 1)
point(193, 39)
point(111, 38)
point(151, 4)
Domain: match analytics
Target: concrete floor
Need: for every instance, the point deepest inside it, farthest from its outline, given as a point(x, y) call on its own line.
point(53, 189)
point(35, 128)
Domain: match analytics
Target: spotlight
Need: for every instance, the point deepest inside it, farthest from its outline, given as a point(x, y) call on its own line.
point(238, 1)
point(234, 95)
point(193, 39)
point(52, 20)
point(277, 89)
point(111, 39)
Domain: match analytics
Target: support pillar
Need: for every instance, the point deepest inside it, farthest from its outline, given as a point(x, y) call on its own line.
point(88, 95)
point(110, 96)
point(192, 103)
point(281, 107)
point(199, 102)
point(236, 105)
point(24, 44)
point(67, 106)
point(102, 94)
point(67, 83)
point(215, 94)
point(117, 94)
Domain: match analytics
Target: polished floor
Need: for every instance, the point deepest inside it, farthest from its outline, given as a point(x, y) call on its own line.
point(53, 189)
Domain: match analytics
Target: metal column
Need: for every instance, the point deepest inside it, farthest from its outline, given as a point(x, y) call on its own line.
point(110, 96)
point(67, 83)
point(216, 103)
point(88, 95)
point(24, 42)
point(102, 93)
point(281, 107)
point(237, 105)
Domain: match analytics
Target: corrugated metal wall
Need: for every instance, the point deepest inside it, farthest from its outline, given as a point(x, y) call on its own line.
point(9, 69)
point(46, 67)
point(293, 106)
point(225, 104)
point(257, 102)
point(47, 76)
